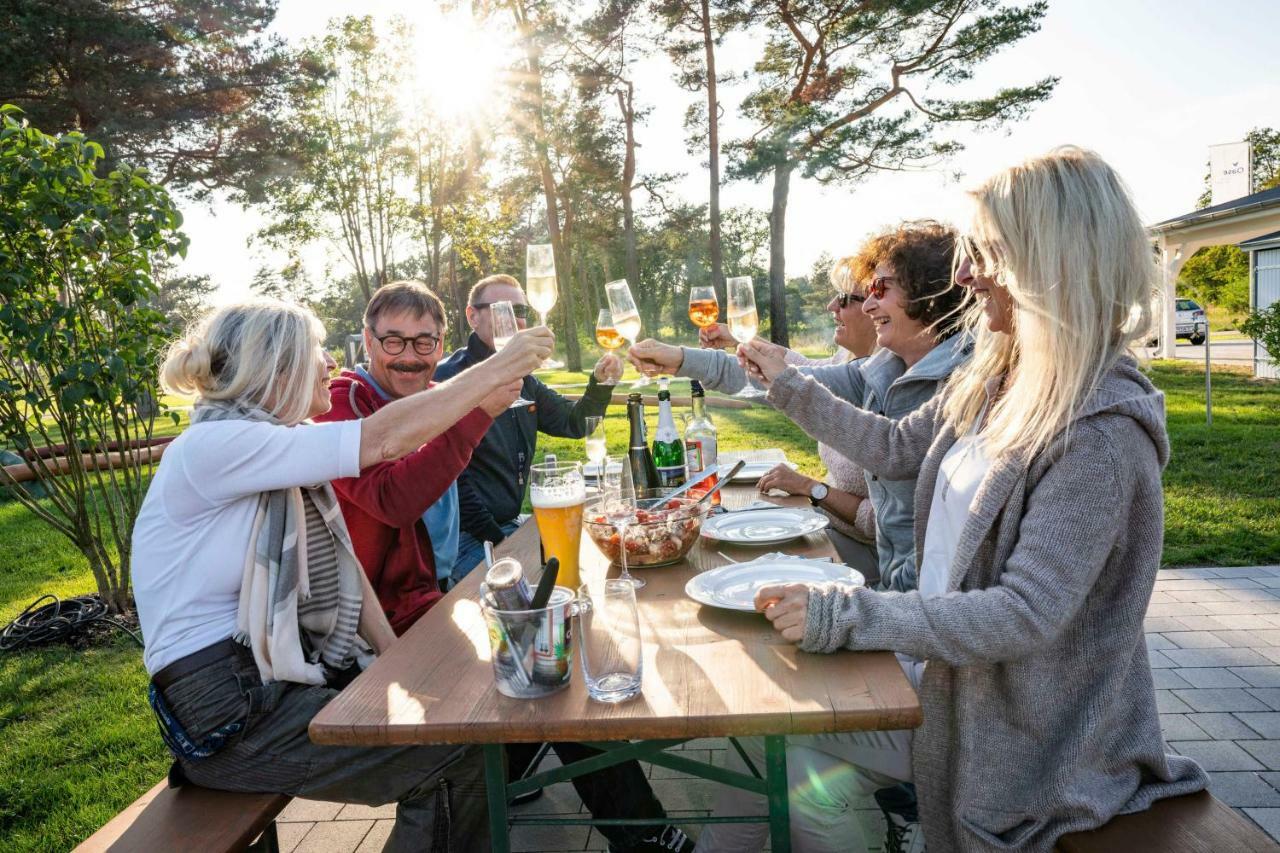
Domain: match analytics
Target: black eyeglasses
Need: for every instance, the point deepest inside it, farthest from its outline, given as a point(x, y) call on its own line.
point(843, 299)
point(423, 344)
point(519, 309)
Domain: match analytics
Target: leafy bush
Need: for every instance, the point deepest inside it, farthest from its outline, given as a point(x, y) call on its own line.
point(79, 345)
point(1264, 327)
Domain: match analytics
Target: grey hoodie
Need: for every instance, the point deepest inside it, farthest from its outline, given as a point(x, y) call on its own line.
point(1039, 711)
point(881, 384)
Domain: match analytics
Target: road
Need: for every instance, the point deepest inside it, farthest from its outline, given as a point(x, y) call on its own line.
point(1221, 352)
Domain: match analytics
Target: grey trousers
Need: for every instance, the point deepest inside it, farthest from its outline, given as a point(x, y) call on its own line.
point(439, 790)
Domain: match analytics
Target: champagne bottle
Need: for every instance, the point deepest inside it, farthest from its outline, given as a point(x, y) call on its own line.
point(643, 472)
point(668, 449)
point(700, 446)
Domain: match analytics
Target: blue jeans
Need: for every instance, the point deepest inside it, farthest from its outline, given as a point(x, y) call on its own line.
point(471, 552)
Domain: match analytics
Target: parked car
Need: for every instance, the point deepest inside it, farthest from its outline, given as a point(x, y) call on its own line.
point(1190, 322)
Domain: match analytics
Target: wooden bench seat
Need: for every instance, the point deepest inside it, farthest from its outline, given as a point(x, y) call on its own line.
point(191, 818)
point(1195, 823)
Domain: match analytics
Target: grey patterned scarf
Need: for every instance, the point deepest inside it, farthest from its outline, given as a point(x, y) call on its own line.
point(276, 578)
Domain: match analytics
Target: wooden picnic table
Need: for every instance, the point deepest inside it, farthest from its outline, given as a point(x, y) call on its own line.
point(707, 673)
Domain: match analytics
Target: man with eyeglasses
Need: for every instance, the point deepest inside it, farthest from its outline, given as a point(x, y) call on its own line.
point(491, 490)
point(403, 515)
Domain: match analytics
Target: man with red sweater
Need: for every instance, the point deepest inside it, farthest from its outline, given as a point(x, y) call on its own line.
point(385, 506)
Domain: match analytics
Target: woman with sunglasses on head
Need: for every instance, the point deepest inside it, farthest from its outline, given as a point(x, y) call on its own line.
point(1041, 525)
point(914, 310)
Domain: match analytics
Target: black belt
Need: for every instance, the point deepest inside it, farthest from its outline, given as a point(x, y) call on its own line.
point(196, 660)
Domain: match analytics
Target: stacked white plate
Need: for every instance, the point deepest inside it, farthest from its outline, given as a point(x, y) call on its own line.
point(734, 586)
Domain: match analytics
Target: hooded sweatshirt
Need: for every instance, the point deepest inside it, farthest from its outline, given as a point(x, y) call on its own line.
point(1040, 715)
point(383, 506)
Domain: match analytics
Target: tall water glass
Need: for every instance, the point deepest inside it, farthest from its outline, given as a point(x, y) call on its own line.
point(540, 283)
point(503, 319)
point(609, 643)
point(626, 316)
point(744, 322)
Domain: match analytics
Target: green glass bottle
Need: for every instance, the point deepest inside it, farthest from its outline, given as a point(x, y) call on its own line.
point(668, 446)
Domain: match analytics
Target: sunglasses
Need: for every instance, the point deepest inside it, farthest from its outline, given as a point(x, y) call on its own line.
point(520, 310)
point(845, 299)
point(879, 285)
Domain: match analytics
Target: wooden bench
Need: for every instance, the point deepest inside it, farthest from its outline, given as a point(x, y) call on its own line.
point(1195, 823)
point(191, 818)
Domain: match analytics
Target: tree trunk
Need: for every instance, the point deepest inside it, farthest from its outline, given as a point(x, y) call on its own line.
point(460, 329)
point(628, 180)
point(777, 253)
point(713, 145)
point(568, 299)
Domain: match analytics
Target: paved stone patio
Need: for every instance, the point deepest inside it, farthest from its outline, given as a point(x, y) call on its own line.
point(1214, 636)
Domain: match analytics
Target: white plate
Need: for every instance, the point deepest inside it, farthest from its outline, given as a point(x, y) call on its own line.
point(734, 586)
point(763, 526)
point(753, 471)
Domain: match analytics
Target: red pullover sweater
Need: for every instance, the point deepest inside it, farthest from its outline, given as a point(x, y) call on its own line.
point(383, 507)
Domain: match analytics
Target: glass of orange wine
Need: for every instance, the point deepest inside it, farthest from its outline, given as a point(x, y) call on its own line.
point(704, 309)
point(607, 335)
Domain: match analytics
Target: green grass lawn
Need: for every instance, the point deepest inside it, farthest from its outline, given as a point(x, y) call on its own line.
point(78, 744)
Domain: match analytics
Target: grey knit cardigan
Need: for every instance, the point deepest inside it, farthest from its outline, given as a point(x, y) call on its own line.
point(1039, 710)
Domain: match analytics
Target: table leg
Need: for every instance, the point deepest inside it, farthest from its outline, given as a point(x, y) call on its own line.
point(775, 762)
point(495, 783)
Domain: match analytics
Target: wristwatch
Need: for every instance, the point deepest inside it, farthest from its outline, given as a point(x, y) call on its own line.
point(818, 493)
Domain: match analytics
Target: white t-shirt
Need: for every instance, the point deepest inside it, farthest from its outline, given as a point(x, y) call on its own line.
point(192, 533)
point(959, 476)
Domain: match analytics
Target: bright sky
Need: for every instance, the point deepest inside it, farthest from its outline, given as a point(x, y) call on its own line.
point(1149, 84)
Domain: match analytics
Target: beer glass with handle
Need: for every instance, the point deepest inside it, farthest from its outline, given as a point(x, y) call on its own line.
point(620, 509)
point(626, 316)
point(744, 322)
point(503, 318)
point(558, 493)
point(540, 284)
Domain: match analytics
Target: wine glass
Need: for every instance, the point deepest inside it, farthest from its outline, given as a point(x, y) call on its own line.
point(503, 318)
point(744, 322)
point(597, 447)
point(607, 335)
point(620, 508)
point(540, 284)
point(626, 316)
point(704, 308)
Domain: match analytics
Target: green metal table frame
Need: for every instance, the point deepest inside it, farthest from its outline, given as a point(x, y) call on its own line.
point(772, 785)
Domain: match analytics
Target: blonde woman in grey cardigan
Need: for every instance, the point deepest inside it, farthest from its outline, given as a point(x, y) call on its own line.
point(1039, 528)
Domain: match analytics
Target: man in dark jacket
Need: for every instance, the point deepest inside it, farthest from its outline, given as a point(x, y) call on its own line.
point(491, 490)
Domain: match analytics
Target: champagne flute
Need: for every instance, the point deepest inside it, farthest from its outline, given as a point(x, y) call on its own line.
point(597, 447)
point(744, 322)
point(503, 318)
point(620, 509)
point(704, 308)
point(626, 316)
point(607, 335)
point(540, 284)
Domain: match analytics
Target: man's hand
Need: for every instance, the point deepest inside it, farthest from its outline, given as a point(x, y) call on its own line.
point(716, 336)
point(786, 478)
point(501, 399)
point(652, 357)
point(522, 355)
point(608, 369)
point(785, 605)
point(763, 361)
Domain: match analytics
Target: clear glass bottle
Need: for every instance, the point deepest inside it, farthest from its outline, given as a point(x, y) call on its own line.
point(700, 446)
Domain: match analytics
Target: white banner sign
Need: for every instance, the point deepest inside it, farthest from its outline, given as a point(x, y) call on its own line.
point(1231, 171)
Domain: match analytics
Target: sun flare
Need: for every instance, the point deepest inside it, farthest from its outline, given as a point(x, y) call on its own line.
point(458, 69)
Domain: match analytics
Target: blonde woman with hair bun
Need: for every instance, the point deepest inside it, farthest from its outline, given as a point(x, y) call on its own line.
point(254, 606)
point(1039, 529)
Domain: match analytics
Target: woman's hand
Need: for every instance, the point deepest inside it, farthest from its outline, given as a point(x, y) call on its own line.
point(608, 369)
point(522, 354)
point(786, 606)
point(786, 478)
point(763, 361)
point(716, 336)
point(651, 357)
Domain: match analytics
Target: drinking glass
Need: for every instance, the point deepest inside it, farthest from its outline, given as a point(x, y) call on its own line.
point(540, 284)
point(503, 318)
point(558, 493)
point(626, 316)
point(704, 308)
point(744, 322)
point(607, 335)
point(619, 499)
point(597, 447)
point(609, 644)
